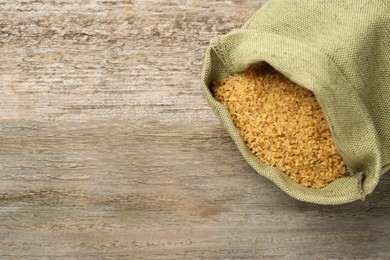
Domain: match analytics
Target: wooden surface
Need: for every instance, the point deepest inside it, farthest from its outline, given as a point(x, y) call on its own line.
point(109, 150)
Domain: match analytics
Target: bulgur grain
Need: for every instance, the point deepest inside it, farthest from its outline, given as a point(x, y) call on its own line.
point(282, 124)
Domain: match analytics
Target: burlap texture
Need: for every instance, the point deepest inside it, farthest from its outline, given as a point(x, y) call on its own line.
point(340, 50)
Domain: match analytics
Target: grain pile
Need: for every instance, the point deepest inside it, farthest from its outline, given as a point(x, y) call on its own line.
point(283, 125)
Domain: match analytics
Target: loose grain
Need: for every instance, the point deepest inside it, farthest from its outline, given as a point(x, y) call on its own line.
point(282, 124)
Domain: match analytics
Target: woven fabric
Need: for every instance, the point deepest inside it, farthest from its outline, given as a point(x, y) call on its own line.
point(340, 50)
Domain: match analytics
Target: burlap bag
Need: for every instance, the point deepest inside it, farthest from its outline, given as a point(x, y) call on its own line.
point(340, 50)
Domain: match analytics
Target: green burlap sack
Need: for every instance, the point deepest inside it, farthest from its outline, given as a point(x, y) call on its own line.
point(340, 50)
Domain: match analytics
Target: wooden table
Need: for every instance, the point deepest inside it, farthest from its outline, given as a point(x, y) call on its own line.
point(109, 150)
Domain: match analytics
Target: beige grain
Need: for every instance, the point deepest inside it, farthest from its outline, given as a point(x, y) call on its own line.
point(283, 125)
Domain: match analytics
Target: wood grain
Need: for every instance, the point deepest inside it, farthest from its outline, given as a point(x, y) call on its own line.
point(109, 150)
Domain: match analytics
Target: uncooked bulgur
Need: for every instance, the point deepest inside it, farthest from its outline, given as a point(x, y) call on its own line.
point(282, 124)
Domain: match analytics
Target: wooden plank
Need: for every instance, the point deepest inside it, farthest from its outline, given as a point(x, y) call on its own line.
point(109, 150)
